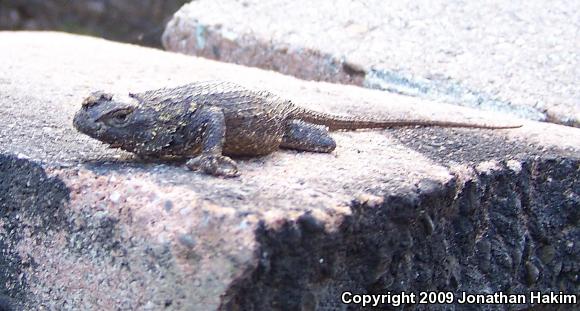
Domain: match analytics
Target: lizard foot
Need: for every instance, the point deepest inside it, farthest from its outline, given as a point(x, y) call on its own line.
point(217, 165)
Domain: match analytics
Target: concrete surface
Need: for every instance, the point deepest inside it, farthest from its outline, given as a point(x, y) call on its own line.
point(518, 57)
point(90, 228)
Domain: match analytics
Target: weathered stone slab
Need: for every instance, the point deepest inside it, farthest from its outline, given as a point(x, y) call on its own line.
point(519, 57)
point(83, 227)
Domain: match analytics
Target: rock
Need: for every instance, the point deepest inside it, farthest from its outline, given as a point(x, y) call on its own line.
point(135, 21)
point(476, 54)
point(87, 227)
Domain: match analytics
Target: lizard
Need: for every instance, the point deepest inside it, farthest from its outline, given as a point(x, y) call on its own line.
point(208, 121)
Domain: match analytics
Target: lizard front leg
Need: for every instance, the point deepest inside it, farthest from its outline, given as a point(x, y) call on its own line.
point(212, 127)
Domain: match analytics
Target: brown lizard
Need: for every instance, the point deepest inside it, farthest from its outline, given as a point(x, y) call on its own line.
point(209, 121)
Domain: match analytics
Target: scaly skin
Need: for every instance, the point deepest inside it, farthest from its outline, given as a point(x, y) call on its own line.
point(206, 121)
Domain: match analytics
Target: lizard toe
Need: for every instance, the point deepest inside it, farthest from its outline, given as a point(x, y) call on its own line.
point(216, 165)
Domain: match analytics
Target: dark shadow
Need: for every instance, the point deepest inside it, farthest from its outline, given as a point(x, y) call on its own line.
point(446, 146)
point(26, 192)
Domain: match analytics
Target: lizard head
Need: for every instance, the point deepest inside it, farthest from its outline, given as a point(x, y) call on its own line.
point(126, 124)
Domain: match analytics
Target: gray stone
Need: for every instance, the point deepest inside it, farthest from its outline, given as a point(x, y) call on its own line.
point(135, 21)
point(83, 227)
point(519, 58)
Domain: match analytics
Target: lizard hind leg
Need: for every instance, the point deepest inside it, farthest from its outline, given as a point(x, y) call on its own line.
point(300, 135)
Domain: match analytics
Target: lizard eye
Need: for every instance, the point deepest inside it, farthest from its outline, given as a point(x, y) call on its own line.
point(118, 118)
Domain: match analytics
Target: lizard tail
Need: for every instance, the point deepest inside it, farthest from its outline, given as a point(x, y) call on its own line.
point(337, 122)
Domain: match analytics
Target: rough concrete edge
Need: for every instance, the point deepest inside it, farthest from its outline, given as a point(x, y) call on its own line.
point(45, 210)
point(541, 218)
point(472, 226)
point(35, 208)
point(211, 40)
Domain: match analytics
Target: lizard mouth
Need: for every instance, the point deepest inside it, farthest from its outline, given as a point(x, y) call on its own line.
point(115, 145)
